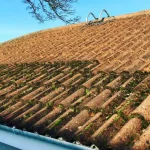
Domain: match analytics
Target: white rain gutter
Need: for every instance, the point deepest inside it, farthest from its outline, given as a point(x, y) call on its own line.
point(29, 141)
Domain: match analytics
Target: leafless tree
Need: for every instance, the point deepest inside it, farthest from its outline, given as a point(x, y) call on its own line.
point(44, 10)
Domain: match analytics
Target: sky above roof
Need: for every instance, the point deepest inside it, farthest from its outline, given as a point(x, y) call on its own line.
point(15, 20)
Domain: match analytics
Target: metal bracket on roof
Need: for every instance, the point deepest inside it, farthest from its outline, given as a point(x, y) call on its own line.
point(88, 17)
point(102, 13)
point(97, 20)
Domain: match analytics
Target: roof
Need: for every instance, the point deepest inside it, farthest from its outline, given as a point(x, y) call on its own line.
point(119, 44)
point(86, 83)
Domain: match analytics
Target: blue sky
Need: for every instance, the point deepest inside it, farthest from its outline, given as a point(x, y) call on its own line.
point(15, 20)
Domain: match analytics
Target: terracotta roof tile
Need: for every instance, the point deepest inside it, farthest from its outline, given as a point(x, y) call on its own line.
point(144, 141)
point(143, 109)
point(132, 127)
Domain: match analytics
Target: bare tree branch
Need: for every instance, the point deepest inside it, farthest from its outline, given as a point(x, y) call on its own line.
point(44, 10)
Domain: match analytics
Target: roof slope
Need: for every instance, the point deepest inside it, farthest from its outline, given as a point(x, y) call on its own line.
point(68, 100)
point(87, 83)
point(120, 44)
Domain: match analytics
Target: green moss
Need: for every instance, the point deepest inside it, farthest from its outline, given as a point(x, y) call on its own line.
point(87, 91)
point(123, 116)
point(31, 102)
point(49, 105)
point(61, 106)
point(26, 116)
point(57, 122)
point(86, 128)
point(130, 141)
